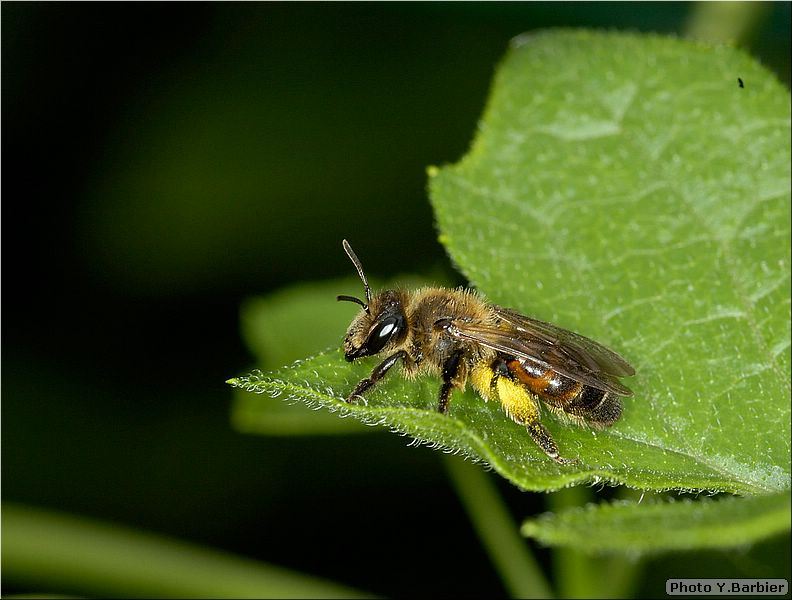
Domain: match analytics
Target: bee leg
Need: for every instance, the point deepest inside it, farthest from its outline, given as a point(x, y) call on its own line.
point(499, 369)
point(545, 441)
point(377, 374)
point(523, 408)
point(451, 369)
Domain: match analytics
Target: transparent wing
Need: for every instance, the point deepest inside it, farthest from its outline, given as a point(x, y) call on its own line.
point(541, 343)
point(583, 350)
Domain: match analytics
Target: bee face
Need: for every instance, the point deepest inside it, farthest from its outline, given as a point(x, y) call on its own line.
point(380, 325)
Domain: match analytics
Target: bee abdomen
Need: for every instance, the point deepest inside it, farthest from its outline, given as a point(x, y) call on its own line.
point(546, 383)
point(574, 398)
point(595, 406)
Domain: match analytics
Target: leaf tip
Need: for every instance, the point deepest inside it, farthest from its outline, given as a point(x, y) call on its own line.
point(233, 382)
point(528, 529)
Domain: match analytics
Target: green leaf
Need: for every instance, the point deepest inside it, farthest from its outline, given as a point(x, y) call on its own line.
point(60, 551)
point(662, 526)
point(627, 188)
point(263, 415)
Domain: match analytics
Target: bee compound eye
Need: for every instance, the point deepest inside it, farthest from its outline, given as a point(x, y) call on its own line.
point(382, 333)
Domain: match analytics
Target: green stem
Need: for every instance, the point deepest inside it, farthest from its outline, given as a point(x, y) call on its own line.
point(509, 552)
point(580, 575)
point(623, 572)
point(620, 576)
point(42, 549)
point(575, 573)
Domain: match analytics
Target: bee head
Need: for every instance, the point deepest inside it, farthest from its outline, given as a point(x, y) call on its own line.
point(381, 323)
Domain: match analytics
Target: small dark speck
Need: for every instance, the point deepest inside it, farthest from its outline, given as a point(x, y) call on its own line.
point(740, 81)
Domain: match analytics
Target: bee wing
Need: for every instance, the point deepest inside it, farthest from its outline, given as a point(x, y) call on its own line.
point(572, 355)
point(583, 350)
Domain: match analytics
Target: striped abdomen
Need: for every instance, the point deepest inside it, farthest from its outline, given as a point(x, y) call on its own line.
point(559, 391)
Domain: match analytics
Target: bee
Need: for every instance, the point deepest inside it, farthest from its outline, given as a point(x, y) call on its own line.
point(507, 357)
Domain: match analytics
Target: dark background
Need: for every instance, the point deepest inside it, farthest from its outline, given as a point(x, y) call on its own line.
point(161, 162)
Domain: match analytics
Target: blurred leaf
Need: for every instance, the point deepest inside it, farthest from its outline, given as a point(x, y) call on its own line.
point(52, 550)
point(652, 527)
point(648, 197)
point(297, 321)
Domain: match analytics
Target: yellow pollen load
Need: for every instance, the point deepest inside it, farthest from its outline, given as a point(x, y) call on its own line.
point(480, 378)
point(518, 402)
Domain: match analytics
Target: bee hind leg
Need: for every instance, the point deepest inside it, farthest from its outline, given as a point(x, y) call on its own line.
point(545, 441)
point(377, 374)
point(523, 408)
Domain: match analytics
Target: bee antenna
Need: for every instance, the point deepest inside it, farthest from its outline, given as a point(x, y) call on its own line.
point(353, 299)
point(356, 261)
